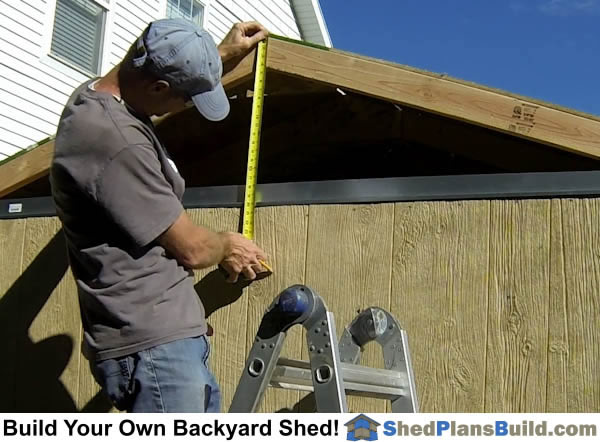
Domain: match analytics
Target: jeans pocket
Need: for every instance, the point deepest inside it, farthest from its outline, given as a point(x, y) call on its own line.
point(115, 376)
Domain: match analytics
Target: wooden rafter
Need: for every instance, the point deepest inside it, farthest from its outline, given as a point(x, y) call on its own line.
point(25, 168)
point(491, 109)
point(35, 163)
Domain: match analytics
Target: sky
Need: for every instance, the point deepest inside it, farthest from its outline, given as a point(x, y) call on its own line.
point(543, 49)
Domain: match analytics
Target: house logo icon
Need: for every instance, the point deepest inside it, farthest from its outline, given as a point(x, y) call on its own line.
point(362, 428)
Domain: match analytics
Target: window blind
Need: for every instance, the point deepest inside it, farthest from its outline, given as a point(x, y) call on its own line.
point(78, 32)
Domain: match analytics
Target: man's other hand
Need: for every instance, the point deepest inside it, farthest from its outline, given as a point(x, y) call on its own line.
point(242, 256)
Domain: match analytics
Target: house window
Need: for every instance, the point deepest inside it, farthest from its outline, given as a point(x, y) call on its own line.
point(189, 9)
point(78, 32)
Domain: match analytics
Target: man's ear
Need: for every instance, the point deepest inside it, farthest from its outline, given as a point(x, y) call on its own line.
point(159, 87)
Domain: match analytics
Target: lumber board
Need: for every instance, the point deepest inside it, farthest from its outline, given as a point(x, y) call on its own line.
point(517, 116)
point(240, 72)
point(228, 344)
point(281, 233)
point(517, 343)
point(582, 310)
point(348, 263)
point(12, 235)
point(49, 323)
point(558, 331)
point(25, 168)
point(439, 295)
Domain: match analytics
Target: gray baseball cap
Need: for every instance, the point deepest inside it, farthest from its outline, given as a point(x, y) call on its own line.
point(185, 55)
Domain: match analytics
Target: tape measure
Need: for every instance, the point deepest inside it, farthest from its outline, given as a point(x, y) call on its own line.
point(254, 143)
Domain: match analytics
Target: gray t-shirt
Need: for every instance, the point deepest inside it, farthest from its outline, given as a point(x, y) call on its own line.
point(116, 191)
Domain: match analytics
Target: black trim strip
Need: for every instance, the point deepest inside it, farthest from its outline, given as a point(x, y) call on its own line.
point(456, 187)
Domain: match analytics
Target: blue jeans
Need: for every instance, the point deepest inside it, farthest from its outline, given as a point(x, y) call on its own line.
point(172, 377)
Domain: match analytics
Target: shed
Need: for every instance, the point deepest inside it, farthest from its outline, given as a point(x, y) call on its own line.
point(469, 213)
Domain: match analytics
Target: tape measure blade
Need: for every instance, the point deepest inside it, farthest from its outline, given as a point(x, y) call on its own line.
point(254, 142)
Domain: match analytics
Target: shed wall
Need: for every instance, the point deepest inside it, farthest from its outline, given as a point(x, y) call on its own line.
point(499, 299)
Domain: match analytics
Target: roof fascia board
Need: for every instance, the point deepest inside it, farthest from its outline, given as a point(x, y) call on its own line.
point(515, 116)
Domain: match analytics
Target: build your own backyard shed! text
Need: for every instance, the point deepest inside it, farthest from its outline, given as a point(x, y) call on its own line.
point(178, 427)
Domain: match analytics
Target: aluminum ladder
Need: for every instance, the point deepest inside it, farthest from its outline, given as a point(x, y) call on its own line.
point(333, 370)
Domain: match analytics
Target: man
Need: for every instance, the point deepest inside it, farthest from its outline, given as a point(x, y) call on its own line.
point(131, 245)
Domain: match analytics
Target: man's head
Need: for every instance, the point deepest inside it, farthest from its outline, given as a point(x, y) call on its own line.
point(173, 64)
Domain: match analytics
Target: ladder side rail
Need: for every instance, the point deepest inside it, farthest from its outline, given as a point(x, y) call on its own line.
point(321, 337)
point(376, 324)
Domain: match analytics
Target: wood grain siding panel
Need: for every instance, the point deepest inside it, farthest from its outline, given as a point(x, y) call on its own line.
point(49, 323)
point(348, 263)
point(439, 295)
point(517, 343)
point(581, 243)
point(499, 299)
point(228, 345)
point(12, 236)
point(281, 232)
point(558, 332)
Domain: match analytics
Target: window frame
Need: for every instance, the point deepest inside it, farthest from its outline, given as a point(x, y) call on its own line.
point(205, 8)
point(65, 66)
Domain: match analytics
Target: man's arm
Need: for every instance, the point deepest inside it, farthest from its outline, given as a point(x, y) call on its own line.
point(196, 247)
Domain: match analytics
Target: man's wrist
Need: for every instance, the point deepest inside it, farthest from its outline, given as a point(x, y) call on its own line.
point(224, 243)
point(224, 53)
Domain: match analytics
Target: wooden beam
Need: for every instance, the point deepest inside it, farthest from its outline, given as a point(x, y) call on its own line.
point(25, 168)
point(451, 98)
point(35, 163)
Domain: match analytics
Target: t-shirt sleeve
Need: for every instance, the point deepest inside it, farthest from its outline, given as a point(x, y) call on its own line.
point(136, 195)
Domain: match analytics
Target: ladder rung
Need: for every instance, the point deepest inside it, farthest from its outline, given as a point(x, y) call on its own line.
point(358, 380)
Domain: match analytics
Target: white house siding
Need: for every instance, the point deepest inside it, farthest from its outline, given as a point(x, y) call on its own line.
point(35, 87)
point(310, 19)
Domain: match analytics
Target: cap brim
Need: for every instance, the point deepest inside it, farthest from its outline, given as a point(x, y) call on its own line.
point(213, 105)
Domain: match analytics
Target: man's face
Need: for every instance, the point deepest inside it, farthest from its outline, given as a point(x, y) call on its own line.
point(172, 103)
